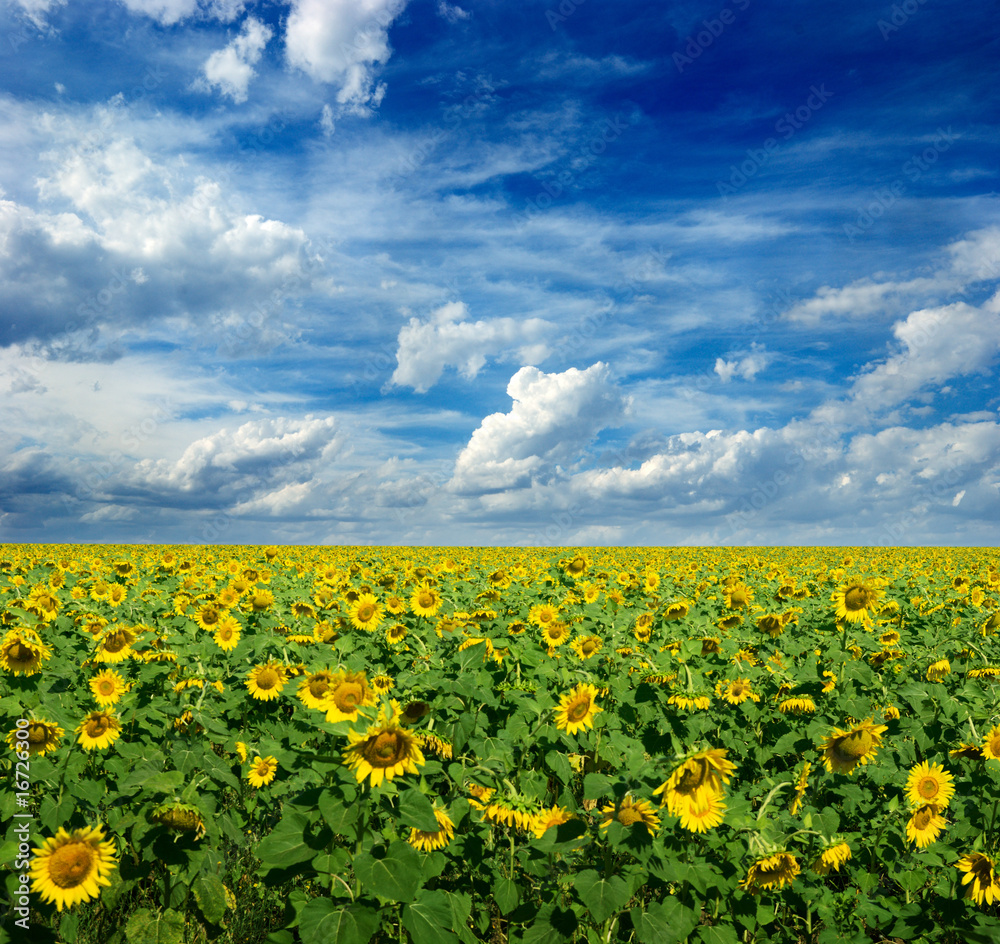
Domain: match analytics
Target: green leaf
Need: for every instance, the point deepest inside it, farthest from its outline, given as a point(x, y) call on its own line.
point(211, 896)
point(596, 786)
point(559, 765)
point(428, 919)
point(506, 894)
point(719, 934)
point(562, 838)
point(417, 811)
point(392, 873)
point(665, 922)
point(339, 815)
point(286, 845)
point(552, 925)
point(148, 927)
point(323, 922)
point(602, 896)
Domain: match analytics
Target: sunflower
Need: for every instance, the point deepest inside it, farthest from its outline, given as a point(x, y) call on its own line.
point(115, 646)
point(629, 812)
point(925, 825)
point(800, 788)
point(889, 638)
point(346, 693)
point(577, 709)
point(23, 652)
point(690, 702)
point(555, 633)
point(587, 646)
point(241, 751)
point(832, 857)
point(366, 613)
point(480, 795)
point(938, 670)
point(844, 750)
point(738, 596)
point(99, 729)
point(703, 814)
point(677, 610)
point(260, 599)
point(266, 681)
point(980, 875)
point(314, 689)
point(800, 705)
point(773, 871)
point(541, 614)
point(694, 778)
point(991, 744)
point(929, 784)
point(425, 601)
point(438, 839)
point(108, 687)
point(395, 634)
point(856, 599)
point(971, 751)
point(385, 750)
point(263, 771)
point(576, 566)
point(71, 867)
point(547, 818)
point(43, 738)
point(227, 633)
point(182, 817)
point(209, 615)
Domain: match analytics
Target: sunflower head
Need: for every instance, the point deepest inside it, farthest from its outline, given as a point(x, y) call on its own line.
point(384, 751)
point(979, 873)
point(844, 750)
point(22, 652)
point(577, 709)
point(929, 783)
point(71, 867)
point(772, 871)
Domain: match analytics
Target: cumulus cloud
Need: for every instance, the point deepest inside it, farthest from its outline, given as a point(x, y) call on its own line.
point(553, 419)
point(977, 256)
point(231, 69)
point(342, 42)
point(747, 365)
point(447, 339)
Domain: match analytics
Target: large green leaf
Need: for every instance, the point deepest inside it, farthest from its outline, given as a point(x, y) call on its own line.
point(602, 896)
point(428, 919)
point(392, 873)
point(417, 811)
point(506, 894)
point(210, 894)
point(286, 845)
point(150, 927)
point(323, 922)
point(665, 922)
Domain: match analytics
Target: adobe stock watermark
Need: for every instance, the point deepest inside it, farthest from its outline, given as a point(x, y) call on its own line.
point(883, 199)
point(703, 39)
point(562, 12)
point(787, 126)
point(899, 16)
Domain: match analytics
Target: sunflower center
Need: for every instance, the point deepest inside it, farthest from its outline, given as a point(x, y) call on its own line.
point(426, 599)
point(856, 598)
point(37, 734)
point(268, 678)
point(928, 788)
point(589, 647)
point(923, 817)
point(106, 687)
point(692, 778)
point(994, 745)
point(737, 688)
point(578, 710)
point(854, 746)
point(318, 687)
point(70, 865)
point(116, 642)
point(226, 633)
point(739, 597)
point(384, 751)
point(21, 653)
point(96, 727)
point(365, 612)
point(629, 815)
point(348, 696)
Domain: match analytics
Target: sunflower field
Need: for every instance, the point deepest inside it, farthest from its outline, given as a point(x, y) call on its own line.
point(438, 745)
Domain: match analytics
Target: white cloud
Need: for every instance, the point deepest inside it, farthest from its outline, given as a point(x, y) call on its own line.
point(231, 69)
point(426, 348)
point(452, 12)
point(747, 365)
point(169, 12)
point(326, 122)
point(977, 257)
point(857, 300)
point(342, 42)
point(553, 419)
point(35, 10)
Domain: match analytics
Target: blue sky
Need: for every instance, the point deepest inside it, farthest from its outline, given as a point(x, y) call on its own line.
point(390, 272)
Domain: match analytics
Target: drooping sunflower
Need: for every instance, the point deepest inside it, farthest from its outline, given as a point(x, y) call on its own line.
point(227, 633)
point(108, 687)
point(938, 670)
point(845, 750)
point(930, 783)
point(677, 610)
point(266, 681)
point(577, 709)
point(856, 600)
point(703, 814)
point(690, 701)
point(384, 751)
point(425, 601)
point(925, 825)
point(991, 744)
point(981, 877)
point(797, 705)
point(181, 817)
point(694, 778)
point(438, 839)
point(71, 867)
point(366, 612)
point(832, 858)
point(99, 729)
point(43, 738)
point(772, 871)
point(262, 771)
point(629, 812)
point(347, 693)
point(22, 652)
point(800, 788)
